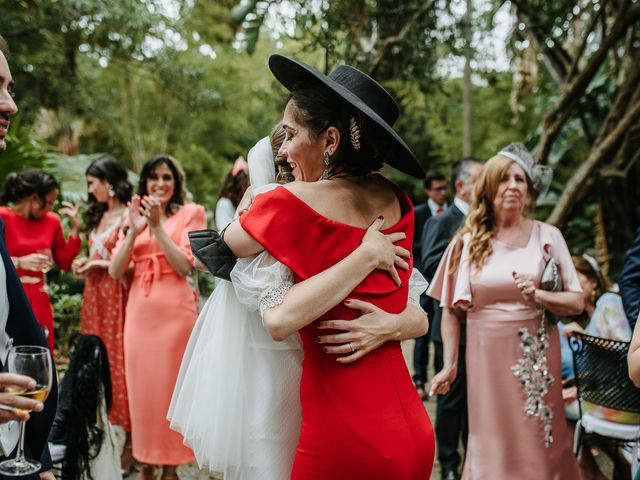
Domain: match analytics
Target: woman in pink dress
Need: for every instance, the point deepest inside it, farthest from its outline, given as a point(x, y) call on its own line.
point(105, 299)
point(490, 274)
point(35, 239)
point(161, 309)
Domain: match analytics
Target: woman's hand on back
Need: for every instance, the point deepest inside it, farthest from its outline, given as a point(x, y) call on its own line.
point(384, 251)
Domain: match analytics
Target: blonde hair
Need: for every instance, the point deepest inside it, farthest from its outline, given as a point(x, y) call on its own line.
point(480, 221)
point(283, 169)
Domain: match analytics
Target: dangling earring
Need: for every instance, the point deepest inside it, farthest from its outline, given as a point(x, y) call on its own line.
point(326, 160)
point(112, 192)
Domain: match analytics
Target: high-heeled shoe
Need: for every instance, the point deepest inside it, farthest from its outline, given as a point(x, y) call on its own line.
point(148, 472)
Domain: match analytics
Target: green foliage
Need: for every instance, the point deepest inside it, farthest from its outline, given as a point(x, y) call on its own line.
point(66, 299)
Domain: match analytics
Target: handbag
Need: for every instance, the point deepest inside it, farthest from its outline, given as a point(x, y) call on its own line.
point(209, 247)
point(551, 281)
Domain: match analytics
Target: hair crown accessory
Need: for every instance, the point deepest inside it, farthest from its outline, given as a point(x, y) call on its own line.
point(354, 130)
point(540, 175)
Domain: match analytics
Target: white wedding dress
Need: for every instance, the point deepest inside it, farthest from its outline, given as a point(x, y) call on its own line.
point(236, 399)
point(237, 396)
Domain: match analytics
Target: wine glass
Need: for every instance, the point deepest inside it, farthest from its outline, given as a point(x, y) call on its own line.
point(47, 266)
point(49, 254)
point(35, 362)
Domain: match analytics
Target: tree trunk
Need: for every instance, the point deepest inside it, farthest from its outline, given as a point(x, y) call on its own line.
point(467, 143)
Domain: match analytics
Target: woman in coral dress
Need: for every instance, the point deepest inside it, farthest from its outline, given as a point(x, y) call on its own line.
point(35, 239)
point(491, 273)
point(105, 298)
point(362, 419)
point(161, 308)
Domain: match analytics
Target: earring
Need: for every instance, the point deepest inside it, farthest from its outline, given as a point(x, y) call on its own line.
point(112, 192)
point(326, 160)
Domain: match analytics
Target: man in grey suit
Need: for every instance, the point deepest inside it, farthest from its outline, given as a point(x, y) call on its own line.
point(451, 416)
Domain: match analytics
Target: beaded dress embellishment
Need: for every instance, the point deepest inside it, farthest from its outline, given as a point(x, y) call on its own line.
point(533, 372)
point(273, 296)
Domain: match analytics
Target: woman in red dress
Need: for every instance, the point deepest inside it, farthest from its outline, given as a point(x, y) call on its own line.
point(105, 298)
point(363, 419)
point(34, 237)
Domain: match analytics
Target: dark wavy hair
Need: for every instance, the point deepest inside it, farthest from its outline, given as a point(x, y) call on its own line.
point(18, 186)
point(180, 188)
point(109, 169)
point(234, 186)
point(81, 390)
point(318, 108)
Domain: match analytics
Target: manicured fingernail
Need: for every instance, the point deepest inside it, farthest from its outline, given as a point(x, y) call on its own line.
point(347, 301)
point(39, 407)
point(325, 349)
point(380, 217)
point(318, 339)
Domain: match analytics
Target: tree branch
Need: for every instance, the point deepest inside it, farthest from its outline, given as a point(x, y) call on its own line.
point(574, 189)
point(404, 31)
point(561, 111)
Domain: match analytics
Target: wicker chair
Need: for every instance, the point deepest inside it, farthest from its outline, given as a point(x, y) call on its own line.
point(603, 382)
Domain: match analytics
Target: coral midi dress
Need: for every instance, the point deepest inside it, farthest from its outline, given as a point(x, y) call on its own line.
point(161, 312)
point(504, 441)
point(24, 237)
point(102, 314)
point(361, 420)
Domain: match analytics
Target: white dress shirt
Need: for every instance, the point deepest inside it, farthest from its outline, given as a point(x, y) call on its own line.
point(9, 431)
point(434, 207)
point(463, 206)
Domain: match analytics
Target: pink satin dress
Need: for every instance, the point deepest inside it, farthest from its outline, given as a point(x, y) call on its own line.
point(505, 442)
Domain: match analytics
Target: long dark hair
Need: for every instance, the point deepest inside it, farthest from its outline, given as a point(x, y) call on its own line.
point(18, 186)
point(81, 391)
point(234, 186)
point(180, 188)
point(318, 108)
point(109, 169)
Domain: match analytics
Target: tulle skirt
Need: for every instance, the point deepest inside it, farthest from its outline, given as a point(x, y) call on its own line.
point(236, 400)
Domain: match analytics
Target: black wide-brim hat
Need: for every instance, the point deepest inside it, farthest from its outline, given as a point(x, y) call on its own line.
point(359, 90)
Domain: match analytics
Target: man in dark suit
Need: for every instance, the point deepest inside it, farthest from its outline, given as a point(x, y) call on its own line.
point(451, 416)
point(435, 188)
point(20, 326)
point(630, 282)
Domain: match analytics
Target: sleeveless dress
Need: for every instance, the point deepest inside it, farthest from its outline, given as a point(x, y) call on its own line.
point(161, 311)
point(505, 442)
point(24, 237)
point(102, 314)
point(362, 420)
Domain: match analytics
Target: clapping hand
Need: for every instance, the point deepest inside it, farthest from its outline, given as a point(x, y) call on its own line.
point(137, 220)
point(151, 211)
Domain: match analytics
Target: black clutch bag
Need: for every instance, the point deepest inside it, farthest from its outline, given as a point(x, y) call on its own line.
point(209, 247)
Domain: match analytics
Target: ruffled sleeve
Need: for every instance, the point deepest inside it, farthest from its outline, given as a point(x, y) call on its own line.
point(261, 282)
point(417, 286)
point(452, 289)
point(553, 245)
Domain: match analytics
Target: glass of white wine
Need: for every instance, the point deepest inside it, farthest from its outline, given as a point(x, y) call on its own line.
point(34, 362)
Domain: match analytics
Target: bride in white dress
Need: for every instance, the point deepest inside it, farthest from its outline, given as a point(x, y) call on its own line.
point(236, 399)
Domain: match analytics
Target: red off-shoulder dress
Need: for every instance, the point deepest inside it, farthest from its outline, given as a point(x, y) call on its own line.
point(363, 420)
point(24, 237)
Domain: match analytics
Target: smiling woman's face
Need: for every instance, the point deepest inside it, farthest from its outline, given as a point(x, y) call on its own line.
point(161, 184)
point(512, 190)
point(302, 150)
